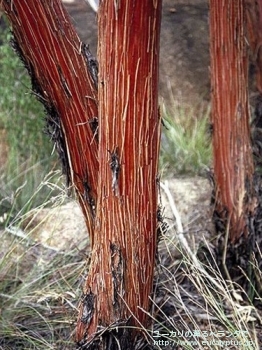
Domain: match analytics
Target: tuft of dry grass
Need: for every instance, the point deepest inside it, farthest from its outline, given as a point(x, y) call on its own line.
point(39, 293)
point(193, 306)
point(40, 286)
point(192, 313)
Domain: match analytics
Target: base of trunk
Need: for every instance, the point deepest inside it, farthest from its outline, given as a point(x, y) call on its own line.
point(116, 337)
point(241, 261)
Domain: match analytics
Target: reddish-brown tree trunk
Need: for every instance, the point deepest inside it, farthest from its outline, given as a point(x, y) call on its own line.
point(115, 180)
point(56, 60)
point(121, 272)
point(233, 162)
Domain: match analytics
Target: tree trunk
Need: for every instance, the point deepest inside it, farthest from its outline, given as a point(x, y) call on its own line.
point(113, 170)
point(238, 209)
point(254, 32)
point(233, 161)
point(60, 67)
point(121, 273)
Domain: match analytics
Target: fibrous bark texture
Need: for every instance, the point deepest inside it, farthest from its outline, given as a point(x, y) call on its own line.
point(109, 151)
point(61, 69)
point(233, 162)
point(121, 272)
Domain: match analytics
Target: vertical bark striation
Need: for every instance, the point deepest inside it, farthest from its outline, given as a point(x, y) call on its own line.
point(62, 79)
point(233, 163)
point(123, 256)
point(115, 178)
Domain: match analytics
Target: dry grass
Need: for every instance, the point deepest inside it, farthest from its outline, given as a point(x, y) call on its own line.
point(194, 307)
point(40, 287)
point(196, 314)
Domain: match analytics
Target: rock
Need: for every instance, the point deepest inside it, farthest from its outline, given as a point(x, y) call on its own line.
point(61, 228)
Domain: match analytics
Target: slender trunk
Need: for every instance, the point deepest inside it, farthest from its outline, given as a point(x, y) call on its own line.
point(121, 273)
point(233, 162)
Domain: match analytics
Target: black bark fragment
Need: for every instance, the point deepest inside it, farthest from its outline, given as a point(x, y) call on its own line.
point(88, 301)
point(91, 63)
point(94, 127)
point(88, 198)
point(115, 167)
point(55, 131)
point(117, 268)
